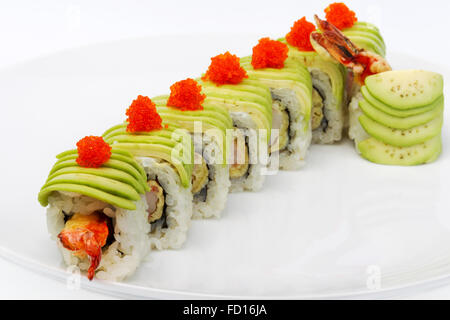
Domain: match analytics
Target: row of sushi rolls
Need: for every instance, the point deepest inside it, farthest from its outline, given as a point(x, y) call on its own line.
point(173, 158)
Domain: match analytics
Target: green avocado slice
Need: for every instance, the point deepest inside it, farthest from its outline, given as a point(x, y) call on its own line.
point(382, 153)
point(205, 117)
point(116, 154)
point(293, 76)
point(396, 122)
point(122, 129)
point(87, 191)
point(161, 152)
point(170, 144)
point(292, 70)
point(110, 173)
point(402, 138)
point(69, 161)
point(156, 140)
point(215, 120)
point(313, 61)
point(367, 25)
point(119, 181)
point(257, 92)
point(108, 185)
point(395, 112)
point(406, 89)
point(250, 96)
point(237, 95)
point(219, 116)
point(363, 41)
point(367, 36)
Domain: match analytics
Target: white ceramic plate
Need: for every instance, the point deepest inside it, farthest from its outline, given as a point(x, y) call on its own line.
point(342, 227)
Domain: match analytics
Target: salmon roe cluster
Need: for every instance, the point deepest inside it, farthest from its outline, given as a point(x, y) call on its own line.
point(93, 152)
point(299, 36)
point(225, 69)
point(340, 15)
point(186, 95)
point(142, 116)
point(269, 54)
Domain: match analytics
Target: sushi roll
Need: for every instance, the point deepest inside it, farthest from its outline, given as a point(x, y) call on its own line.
point(208, 124)
point(291, 89)
point(166, 154)
point(97, 211)
point(358, 46)
point(328, 82)
point(249, 103)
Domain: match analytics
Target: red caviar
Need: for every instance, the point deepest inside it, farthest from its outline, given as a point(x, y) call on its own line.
point(142, 116)
point(186, 95)
point(225, 69)
point(93, 152)
point(299, 36)
point(340, 15)
point(269, 54)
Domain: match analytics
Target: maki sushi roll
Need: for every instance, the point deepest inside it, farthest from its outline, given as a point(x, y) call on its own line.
point(291, 89)
point(358, 46)
point(166, 154)
point(208, 124)
point(227, 85)
point(97, 211)
point(328, 82)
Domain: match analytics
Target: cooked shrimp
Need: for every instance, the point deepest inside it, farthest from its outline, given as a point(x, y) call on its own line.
point(363, 63)
point(86, 235)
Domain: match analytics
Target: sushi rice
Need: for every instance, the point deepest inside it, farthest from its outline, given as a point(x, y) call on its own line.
point(170, 232)
point(333, 114)
point(131, 227)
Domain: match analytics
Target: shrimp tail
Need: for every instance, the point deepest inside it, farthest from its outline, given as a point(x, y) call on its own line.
point(83, 241)
point(335, 42)
point(361, 62)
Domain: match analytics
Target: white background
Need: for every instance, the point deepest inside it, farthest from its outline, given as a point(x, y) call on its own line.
point(29, 29)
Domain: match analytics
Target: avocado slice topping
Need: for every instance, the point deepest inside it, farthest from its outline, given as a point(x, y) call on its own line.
point(119, 181)
point(215, 121)
point(171, 144)
point(250, 96)
point(293, 76)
